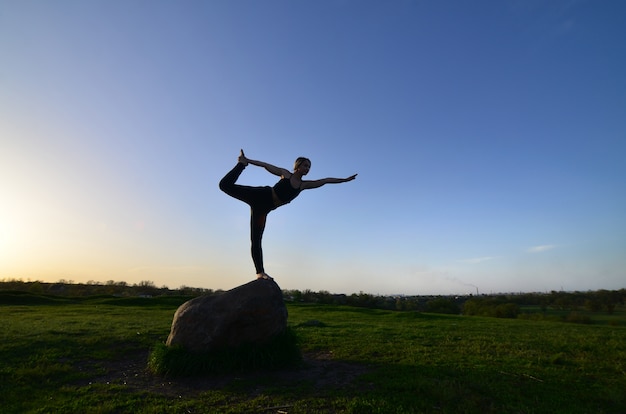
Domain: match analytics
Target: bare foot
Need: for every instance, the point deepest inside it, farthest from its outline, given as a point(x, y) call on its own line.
point(264, 276)
point(242, 158)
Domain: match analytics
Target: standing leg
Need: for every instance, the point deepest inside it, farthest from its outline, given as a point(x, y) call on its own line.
point(257, 226)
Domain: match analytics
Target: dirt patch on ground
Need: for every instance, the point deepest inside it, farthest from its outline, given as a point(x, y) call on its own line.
point(318, 370)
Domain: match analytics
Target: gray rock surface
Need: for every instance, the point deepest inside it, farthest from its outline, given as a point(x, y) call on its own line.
point(250, 313)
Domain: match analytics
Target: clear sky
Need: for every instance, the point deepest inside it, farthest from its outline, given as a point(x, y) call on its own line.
point(489, 138)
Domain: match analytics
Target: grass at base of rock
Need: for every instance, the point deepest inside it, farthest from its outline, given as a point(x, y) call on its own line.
point(281, 352)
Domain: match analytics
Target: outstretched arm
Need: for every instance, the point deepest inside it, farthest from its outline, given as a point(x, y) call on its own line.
point(307, 185)
point(281, 172)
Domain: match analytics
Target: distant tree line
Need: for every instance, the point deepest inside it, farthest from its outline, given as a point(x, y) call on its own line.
point(500, 306)
point(497, 307)
point(92, 288)
point(435, 304)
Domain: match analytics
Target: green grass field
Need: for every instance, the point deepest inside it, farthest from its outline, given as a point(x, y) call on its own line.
point(90, 356)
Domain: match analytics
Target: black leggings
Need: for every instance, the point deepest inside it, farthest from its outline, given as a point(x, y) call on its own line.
point(261, 203)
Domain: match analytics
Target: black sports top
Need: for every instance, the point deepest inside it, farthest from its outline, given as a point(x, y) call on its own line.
point(285, 191)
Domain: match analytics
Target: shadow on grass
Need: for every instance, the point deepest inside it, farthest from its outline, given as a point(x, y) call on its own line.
point(422, 389)
point(282, 352)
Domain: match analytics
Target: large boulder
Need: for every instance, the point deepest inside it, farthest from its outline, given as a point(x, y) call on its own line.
point(251, 313)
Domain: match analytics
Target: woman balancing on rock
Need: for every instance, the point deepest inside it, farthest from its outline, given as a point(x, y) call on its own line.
point(262, 200)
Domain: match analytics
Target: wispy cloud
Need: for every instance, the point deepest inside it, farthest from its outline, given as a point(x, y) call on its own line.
point(477, 259)
point(541, 248)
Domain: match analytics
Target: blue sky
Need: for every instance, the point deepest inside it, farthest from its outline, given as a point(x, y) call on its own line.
point(489, 138)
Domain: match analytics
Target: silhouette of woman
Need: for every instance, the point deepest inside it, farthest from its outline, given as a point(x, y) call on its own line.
point(262, 200)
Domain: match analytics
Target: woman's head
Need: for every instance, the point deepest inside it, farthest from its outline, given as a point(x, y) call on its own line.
point(303, 164)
